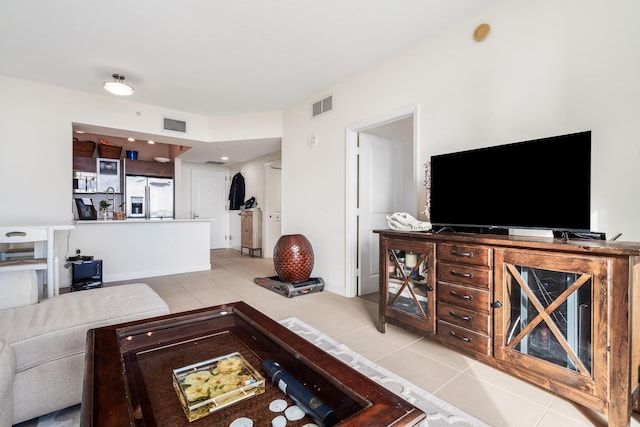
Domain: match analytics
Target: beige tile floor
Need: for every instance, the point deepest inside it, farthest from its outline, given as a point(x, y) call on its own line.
point(496, 398)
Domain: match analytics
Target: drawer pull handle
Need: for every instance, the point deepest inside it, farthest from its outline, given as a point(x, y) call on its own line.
point(465, 339)
point(457, 316)
point(15, 234)
point(467, 275)
point(457, 295)
point(464, 254)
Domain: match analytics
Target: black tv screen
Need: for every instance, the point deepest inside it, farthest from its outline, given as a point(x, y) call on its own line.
point(542, 184)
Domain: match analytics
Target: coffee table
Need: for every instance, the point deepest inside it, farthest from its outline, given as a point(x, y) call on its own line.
point(128, 372)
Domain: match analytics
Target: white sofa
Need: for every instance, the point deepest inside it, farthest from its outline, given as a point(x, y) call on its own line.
point(42, 345)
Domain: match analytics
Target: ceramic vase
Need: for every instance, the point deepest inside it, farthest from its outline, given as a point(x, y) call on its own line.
point(293, 258)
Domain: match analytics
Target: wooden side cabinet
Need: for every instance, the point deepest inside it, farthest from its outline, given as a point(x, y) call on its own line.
point(251, 231)
point(562, 315)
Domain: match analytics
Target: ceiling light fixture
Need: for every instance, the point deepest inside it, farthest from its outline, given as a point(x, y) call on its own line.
point(117, 86)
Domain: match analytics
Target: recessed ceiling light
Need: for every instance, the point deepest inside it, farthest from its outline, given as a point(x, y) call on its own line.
point(117, 86)
point(225, 158)
point(79, 131)
point(151, 142)
point(131, 139)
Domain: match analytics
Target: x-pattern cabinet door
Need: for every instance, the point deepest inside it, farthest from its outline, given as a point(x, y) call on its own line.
point(407, 283)
point(552, 316)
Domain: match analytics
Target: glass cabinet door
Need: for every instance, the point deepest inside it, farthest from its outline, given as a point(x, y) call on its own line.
point(549, 314)
point(408, 288)
point(409, 282)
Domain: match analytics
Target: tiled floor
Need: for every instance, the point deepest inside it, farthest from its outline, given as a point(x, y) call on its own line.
point(494, 397)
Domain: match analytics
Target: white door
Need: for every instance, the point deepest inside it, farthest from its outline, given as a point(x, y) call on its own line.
point(273, 220)
point(208, 202)
point(380, 194)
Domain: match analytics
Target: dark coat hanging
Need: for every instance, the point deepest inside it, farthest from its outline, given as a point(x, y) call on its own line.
point(236, 192)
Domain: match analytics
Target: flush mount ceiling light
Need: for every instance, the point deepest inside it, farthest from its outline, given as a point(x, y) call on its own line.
point(118, 87)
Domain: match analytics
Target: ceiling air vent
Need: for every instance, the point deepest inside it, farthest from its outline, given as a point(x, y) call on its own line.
point(174, 125)
point(322, 106)
point(213, 162)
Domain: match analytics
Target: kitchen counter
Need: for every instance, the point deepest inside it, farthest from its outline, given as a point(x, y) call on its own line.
point(139, 248)
point(139, 221)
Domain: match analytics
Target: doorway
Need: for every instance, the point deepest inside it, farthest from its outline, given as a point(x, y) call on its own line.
point(381, 179)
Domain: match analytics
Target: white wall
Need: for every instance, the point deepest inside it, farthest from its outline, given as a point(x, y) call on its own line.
point(247, 126)
point(548, 67)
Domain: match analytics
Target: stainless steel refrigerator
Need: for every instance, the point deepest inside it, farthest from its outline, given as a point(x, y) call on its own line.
point(149, 197)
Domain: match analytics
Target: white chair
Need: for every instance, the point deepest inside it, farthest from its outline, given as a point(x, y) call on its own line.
point(40, 260)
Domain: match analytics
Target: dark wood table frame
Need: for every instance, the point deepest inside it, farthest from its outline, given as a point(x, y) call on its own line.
point(119, 391)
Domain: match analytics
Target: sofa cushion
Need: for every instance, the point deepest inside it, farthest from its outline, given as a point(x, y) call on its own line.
point(7, 369)
point(57, 327)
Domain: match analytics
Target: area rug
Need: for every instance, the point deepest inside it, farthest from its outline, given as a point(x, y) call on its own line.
point(439, 413)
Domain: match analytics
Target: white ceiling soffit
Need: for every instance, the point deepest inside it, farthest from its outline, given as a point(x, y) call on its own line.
point(213, 57)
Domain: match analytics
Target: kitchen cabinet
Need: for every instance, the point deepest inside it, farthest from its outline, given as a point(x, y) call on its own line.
point(84, 164)
point(148, 168)
point(563, 315)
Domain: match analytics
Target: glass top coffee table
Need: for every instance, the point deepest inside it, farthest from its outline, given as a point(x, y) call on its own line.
point(128, 372)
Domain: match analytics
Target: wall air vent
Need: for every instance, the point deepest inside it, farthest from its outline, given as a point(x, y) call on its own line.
point(322, 106)
point(213, 162)
point(174, 125)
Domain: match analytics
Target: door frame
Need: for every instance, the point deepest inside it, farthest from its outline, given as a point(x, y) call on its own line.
point(352, 271)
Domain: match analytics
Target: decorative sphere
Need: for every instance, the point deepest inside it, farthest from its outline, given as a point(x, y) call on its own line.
point(293, 258)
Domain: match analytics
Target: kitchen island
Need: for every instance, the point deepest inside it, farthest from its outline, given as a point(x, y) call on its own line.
point(138, 248)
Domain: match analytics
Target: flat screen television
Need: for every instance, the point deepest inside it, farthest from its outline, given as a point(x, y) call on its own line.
point(538, 184)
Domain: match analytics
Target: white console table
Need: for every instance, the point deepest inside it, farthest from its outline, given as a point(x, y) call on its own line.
point(43, 260)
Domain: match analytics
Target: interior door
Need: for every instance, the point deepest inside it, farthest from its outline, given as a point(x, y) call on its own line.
point(208, 202)
point(274, 213)
point(380, 194)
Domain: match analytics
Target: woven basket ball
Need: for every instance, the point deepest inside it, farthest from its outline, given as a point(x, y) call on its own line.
point(293, 258)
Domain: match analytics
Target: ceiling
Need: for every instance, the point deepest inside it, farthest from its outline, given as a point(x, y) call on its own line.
point(213, 57)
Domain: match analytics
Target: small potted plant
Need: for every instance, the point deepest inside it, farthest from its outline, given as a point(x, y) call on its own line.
point(119, 215)
point(104, 208)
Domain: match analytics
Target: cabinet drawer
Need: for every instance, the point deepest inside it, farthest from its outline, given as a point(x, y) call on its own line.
point(476, 255)
point(464, 317)
point(463, 338)
point(464, 274)
point(464, 296)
